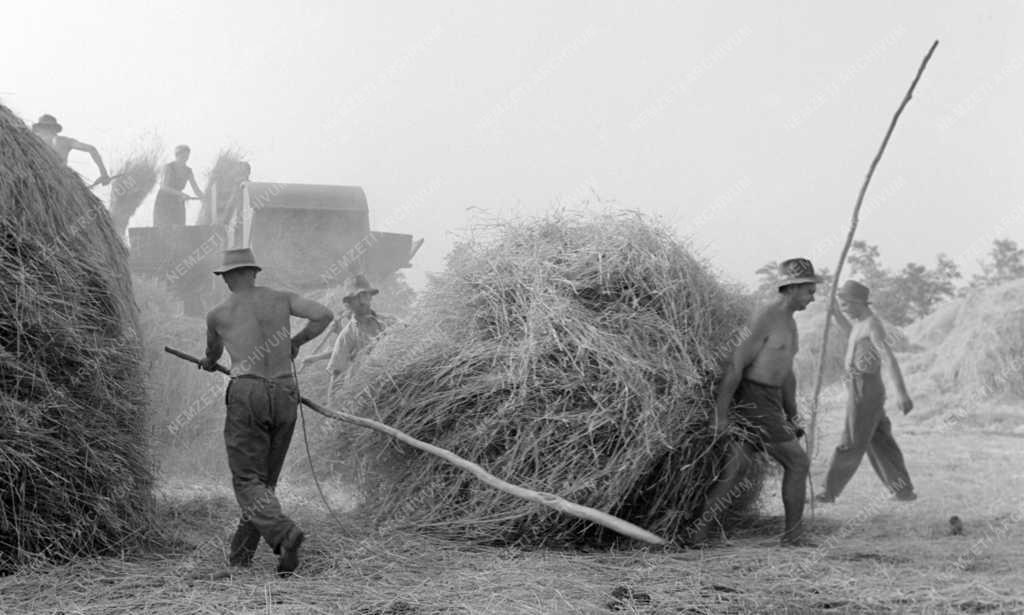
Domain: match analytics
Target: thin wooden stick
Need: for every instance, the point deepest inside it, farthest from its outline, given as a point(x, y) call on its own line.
point(547, 499)
point(846, 248)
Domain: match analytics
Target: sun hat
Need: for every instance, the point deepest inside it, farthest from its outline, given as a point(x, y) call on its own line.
point(357, 285)
point(237, 259)
point(797, 271)
point(854, 291)
point(48, 121)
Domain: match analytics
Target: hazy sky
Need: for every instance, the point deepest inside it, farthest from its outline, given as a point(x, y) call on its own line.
point(748, 126)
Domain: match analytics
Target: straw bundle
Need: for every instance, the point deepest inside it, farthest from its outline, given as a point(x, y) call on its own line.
point(134, 180)
point(73, 471)
point(571, 356)
point(223, 177)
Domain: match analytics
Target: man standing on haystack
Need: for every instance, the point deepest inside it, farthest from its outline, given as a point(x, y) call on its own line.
point(361, 329)
point(48, 129)
point(760, 379)
point(868, 429)
point(262, 399)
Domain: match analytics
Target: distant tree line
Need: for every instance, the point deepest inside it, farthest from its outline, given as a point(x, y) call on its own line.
point(901, 297)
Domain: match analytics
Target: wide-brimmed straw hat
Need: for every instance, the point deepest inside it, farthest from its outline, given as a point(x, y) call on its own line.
point(358, 285)
point(854, 291)
point(48, 121)
point(237, 259)
point(797, 271)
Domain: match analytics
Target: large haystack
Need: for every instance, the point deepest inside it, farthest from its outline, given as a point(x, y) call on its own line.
point(571, 356)
point(974, 347)
point(74, 477)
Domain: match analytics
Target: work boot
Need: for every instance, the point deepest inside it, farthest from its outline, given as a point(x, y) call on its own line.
point(243, 544)
point(288, 560)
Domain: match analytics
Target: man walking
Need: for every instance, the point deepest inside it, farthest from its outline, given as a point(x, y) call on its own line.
point(262, 399)
point(48, 129)
point(760, 379)
point(868, 429)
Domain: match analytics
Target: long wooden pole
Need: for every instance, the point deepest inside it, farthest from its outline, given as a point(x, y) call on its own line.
point(547, 499)
point(849, 240)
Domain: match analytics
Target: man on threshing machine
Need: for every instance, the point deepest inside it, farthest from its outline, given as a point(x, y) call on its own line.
point(760, 379)
point(48, 129)
point(262, 400)
point(169, 208)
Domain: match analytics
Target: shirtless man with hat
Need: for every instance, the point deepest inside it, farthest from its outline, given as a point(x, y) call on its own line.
point(759, 384)
point(48, 129)
point(262, 399)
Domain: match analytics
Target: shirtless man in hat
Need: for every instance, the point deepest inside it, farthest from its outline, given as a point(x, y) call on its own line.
point(262, 400)
point(867, 429)
point(760, 379)
point(48, 129)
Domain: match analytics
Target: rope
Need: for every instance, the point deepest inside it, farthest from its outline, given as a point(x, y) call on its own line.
point(309, 456)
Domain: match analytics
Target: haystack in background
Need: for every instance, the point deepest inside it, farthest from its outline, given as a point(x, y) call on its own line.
point(74, 474)
point(974, 347)
point(134, 179)
point(222, 179)
point(933, 328)
point(575, 356)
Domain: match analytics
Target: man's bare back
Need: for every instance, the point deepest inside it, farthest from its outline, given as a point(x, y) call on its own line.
point(776, 348)
point(255, 327)
point(62, 146)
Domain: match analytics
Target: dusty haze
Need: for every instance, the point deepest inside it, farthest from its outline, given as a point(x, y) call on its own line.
point(749, 126)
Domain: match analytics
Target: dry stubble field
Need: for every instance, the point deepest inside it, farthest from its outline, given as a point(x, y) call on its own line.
point(874, 555)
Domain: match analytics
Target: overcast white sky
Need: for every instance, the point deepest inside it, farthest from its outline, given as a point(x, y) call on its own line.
point(748, 125)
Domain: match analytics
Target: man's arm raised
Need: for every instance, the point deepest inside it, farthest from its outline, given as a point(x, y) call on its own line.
point(742, 356)
point(842, 321)
point(877, 334)
point(319, 317)
point(95, 155)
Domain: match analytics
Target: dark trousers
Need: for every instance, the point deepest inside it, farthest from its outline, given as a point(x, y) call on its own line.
point(867, 430)
point(168, 210)
point(257, 431)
